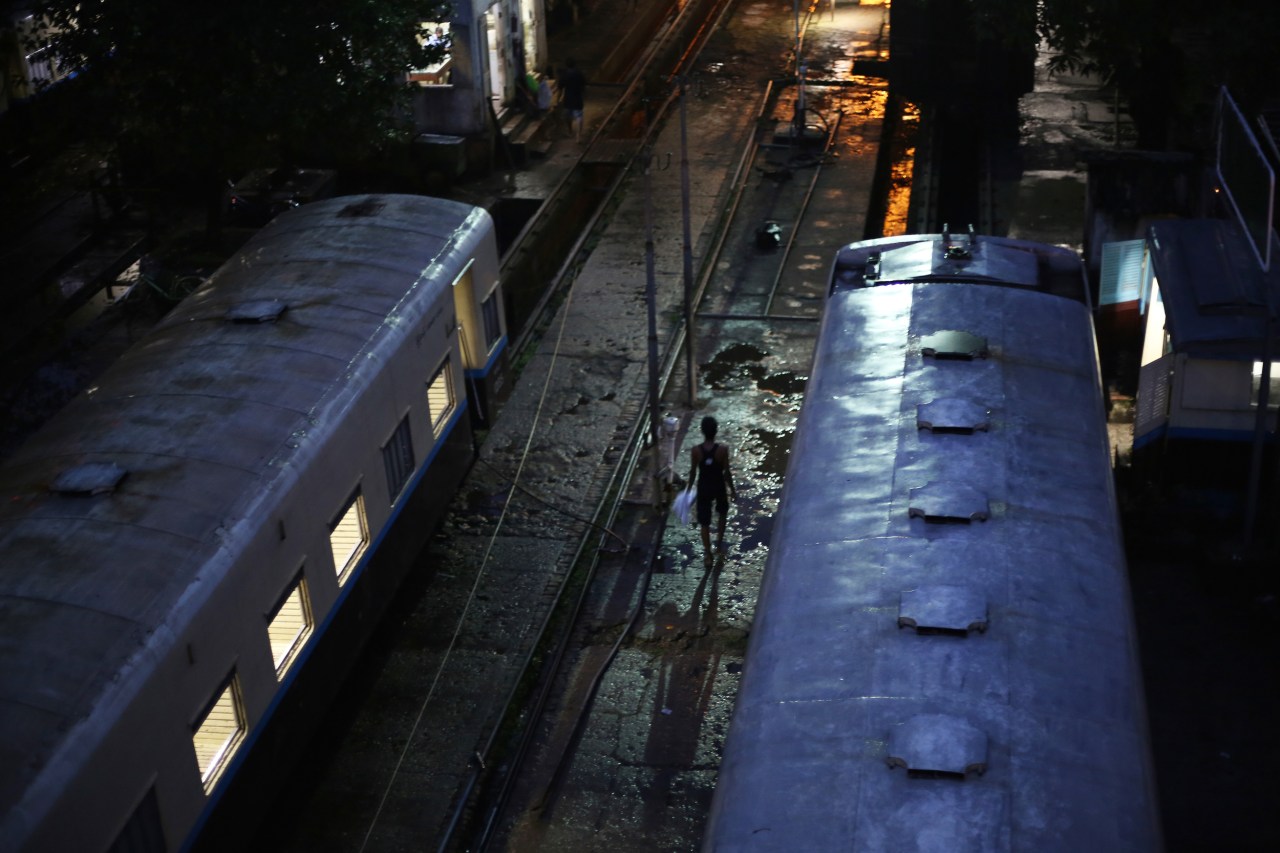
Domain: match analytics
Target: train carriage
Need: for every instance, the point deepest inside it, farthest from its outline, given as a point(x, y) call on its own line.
point(193, 551)
point(944, 656)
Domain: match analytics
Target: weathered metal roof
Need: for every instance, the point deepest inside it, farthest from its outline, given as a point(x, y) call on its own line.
point(999, 261)
point(211, 420)
point(1215, 294)
point(1035, 719)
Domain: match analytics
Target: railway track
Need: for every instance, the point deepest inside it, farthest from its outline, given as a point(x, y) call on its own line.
point(776, 180)
point(958, 177)
point(448, 740)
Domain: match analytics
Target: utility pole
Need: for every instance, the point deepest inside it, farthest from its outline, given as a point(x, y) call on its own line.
point(651, 301)
point(689, 336)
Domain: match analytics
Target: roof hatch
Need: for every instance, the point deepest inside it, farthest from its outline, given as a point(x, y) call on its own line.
point(950, 344)
point(953, 415)
point(955, 610)
point(365, 207)
point(943, 503)
point(91, 478)
point(256, 311)
point(938, 746)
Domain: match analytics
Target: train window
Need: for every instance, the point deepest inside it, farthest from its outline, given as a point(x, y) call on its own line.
point(219, 733)
point(492, 325)
point(1273, 385)
point(289, 625)
point(397, 459)
point(440, 397)
point(348, 536)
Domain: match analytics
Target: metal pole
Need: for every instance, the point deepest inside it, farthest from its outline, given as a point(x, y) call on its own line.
point(1259, 440)
point(798, 119)
point(651, 300)
point(690, 370)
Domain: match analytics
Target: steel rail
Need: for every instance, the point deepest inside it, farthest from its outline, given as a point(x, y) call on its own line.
point(804, 206)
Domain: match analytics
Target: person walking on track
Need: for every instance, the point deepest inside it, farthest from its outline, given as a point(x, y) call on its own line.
point(710, 469)
point(573, 89)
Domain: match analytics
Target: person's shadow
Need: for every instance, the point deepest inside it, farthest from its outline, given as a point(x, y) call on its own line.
point(684, 690)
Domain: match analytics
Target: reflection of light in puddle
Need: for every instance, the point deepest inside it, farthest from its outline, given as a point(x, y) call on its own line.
point(898, 202)
point(770, 451)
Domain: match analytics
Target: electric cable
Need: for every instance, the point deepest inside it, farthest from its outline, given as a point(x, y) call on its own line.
point(480, 574)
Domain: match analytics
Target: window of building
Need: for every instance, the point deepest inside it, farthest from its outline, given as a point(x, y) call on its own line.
point(219, 733)
point(348, 536)
point(397, 459)
point(1273, 386)
point(437, 35)
point(440, 397)
point(289, 625)
point(492, 327)
point(43, 67)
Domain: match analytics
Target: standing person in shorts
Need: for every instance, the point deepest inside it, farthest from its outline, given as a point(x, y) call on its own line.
point(573, 89)
point(710, 469)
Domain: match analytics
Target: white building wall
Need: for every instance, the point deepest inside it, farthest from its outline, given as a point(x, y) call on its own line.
point(485, 70)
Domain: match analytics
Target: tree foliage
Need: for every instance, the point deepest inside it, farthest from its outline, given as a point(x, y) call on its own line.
point(208, 90)
point(1167, 56)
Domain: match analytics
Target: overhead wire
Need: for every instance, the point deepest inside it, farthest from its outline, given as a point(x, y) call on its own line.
point(480, 574)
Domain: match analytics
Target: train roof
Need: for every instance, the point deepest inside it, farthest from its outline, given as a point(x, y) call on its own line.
point(118, 513)
point(945, 595)
point(999, 261)
point(1216, 296)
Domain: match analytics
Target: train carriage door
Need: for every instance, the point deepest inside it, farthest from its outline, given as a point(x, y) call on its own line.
point(479, 336)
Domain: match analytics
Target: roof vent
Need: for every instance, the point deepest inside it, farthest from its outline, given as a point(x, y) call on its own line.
point(91, 478)
point(368, 207)
point(954, 610)
point(953, 415)
point(950, 344)
point(938, 746)
point(872, 270)
point(954, 249)
point(256, 311)
point(942, 503)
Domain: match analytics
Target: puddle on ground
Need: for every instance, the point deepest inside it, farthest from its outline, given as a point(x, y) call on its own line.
point(776, 447)
point(783, 384)
point(732, 364)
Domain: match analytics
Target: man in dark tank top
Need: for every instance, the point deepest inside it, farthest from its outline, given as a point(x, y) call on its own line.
point(710, 470)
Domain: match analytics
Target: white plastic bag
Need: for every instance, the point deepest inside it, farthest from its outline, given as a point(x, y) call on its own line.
point(683, 504)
